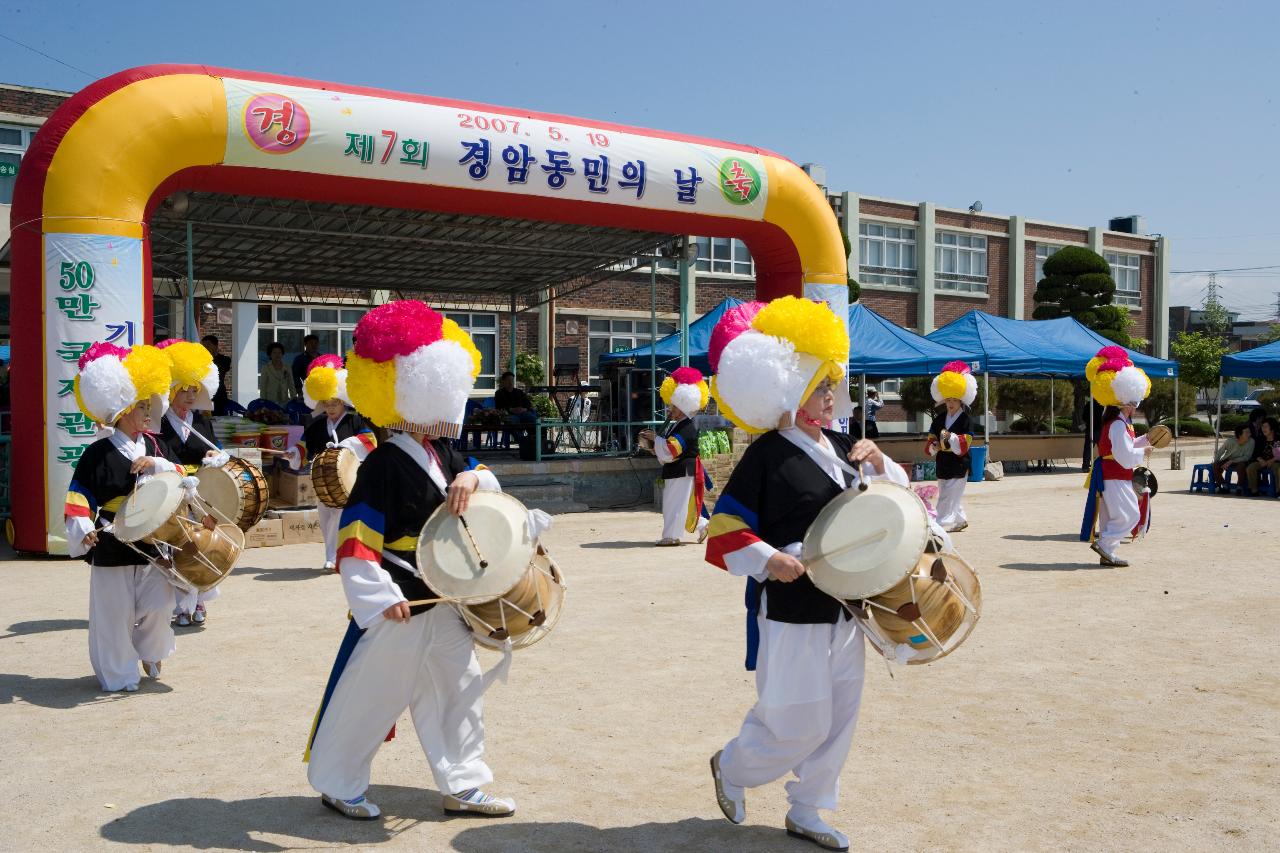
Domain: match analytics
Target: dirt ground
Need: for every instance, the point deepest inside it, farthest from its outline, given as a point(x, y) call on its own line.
point(1092, 709)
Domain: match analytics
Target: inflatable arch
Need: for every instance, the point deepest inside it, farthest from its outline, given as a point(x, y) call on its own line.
point(80, 251)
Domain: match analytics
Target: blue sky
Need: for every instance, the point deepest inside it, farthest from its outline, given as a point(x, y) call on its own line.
point(1067, 113)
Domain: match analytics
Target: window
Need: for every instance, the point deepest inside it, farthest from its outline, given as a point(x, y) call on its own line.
point(1127, 271)
point(886, 255)
point(13, 143)
point(961, 262)
point(1044, 251)
point(289, 324)
point(483, 329)
point(723, 256)
point(618, 336)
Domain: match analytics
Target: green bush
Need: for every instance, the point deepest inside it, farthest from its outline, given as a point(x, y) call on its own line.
point(545, 408)
point(529, 369)
point(1140, 429)
point(1063, 424)
point(1230, 421)
point(1190, 426)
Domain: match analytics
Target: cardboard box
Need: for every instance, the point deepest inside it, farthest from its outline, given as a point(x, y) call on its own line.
point(290, 488)
point(266, 533)
point(300, 525)
point(249, 454)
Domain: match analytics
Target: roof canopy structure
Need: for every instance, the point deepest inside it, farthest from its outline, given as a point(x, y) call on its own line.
point(1260, 363)
point(667, 350)
point(878, 347)
point(1059, 347)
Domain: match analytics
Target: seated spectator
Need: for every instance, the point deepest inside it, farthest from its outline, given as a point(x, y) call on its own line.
point(1264, 453)
point(1233, 454)
point(513, 401)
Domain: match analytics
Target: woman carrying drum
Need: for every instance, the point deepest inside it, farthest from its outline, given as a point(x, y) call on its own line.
point(187, 433)
point(410, 371)
point(780, 371)
point(950, 435)
point(335, 425)
point(1111, 511)
point(130, 602)
point(684, 482)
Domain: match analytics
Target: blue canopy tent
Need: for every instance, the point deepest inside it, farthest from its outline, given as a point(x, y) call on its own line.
point(1259, 363)
point(667, 350)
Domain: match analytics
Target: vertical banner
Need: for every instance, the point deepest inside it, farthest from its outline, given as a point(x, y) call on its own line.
point(837, 298)
point(92, 292)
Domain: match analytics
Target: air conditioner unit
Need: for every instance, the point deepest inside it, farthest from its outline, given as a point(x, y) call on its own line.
point(1134, 224)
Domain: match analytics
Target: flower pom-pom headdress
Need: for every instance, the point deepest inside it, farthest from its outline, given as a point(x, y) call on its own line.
point(412, 369)
point(1114, 380)
point(112, 380)
point(769, 358)
point(191, 366)
point(955, 380)
point(685, 390)
point(326, 380)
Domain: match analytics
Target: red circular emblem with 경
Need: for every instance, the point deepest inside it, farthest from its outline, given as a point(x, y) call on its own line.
point(276, 124)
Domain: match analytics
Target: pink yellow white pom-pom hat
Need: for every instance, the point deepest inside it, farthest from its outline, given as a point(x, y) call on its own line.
point(412, 369)
point(326, 380)
point(112, 380)
point(956, 381)
point(686, 390)
point(769, 357)
point(191, 366)
point(1114, 380)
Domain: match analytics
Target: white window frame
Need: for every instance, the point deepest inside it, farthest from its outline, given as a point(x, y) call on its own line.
point(26, 133)
point(467, 320)
point(709, 257)
point(639, 334)
point(308, 326)
point(1126, 269)
point(896, 243)
point(1045, 251)
point(969, 254)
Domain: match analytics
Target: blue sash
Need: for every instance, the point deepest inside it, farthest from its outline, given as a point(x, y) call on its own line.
point(754, 591)
point(1095, 485)
point(353, 635)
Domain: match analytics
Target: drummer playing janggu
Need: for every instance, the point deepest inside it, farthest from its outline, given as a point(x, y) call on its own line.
point(130, 602)
point(683, 478)
point(335, 425)
point(780, 372)
point(187, 433)
point(410, 371)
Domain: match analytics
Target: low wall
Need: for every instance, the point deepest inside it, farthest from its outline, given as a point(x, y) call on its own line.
point(1010, 447)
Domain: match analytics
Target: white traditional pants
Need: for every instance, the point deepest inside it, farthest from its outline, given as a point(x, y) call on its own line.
point(676, 494)
point(427, 665)
point(129, 610)
point(187, 601)
point(950, 493)
point(329, 524)
point(809, 683)
point(1118, 514)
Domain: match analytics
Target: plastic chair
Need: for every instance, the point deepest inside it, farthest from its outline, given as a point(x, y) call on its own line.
point(234, 408)
point(1202, 479)
point(260, 404)
point(1267, 482)
point(297, 411)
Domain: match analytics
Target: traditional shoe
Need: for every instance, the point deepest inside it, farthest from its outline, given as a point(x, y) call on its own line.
point(961, 526)
point(131, 688)
point(151, 668)
point(667, 543)
point(475, 802)
point(183, 620)
point(1113, 562)
point(702, 534)
point(1097, 549)
point(198, 616)
point(818, 833)
point(734, 808)
point(356, 809)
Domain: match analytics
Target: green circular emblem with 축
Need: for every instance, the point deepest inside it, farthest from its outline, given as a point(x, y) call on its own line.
point(739, 180)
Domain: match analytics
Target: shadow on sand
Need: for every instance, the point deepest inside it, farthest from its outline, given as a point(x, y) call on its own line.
point(64, 693)
point(700, 834)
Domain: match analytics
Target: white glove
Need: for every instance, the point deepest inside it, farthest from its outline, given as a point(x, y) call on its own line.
point(216, 460)
point(294, 458)
point(189, 485)
point(329, 445)
point(538, 523)
point(355, 445)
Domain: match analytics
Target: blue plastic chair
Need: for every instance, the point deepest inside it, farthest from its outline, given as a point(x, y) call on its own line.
point(260, 404)
point(1202, 479)
point(234, 408)
point(1267, 482)
point(298, 411)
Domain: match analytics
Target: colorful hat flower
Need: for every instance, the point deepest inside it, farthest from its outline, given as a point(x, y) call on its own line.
point(1114, 380)
point(112, 380)
point(770, 357)
point(191, 366)
point(326, 380)
point(411, 369)
point(955, 381)
point(685, 390)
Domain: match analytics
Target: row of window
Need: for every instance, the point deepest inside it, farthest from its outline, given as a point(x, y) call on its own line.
point(14, 140)
point(887, 256)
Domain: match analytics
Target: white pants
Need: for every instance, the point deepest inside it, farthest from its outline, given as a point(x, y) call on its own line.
point(330, 517)
point(676, 494)
point(1118, 514)
point(950, 493)
point(809, 683)
point(187, 601)
point(427, 665)
point(129, 610)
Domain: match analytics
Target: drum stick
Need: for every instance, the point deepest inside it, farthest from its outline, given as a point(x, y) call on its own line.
point(484, 564)
point(417, 602)
point(869, 539)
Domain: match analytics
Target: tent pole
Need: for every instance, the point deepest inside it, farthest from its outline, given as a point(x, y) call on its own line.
point(513, 333)
point(1052, 410)
point(1091, 430)
point(653, 340)
point(864, 406)
point(986, 410)
point(1217, 427)
point(1176, 418)
point(189, 307)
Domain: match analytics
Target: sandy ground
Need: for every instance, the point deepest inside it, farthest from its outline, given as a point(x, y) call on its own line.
point(1092, 709)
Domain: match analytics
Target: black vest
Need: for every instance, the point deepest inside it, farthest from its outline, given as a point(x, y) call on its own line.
point(191, 451)
point(684, 465)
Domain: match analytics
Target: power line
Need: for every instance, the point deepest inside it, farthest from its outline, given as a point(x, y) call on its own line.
point(1227, 269)
point(51, 58)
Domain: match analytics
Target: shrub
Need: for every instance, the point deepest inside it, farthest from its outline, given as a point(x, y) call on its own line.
point(1230, 421)
point(529, 369)
point(1192, 427)
point(545, 408)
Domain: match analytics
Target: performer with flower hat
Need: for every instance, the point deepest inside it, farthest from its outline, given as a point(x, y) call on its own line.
point(1111, 510)
point(950, 435)
point(780, 374)
point(410, 371)
point(130, 602)
point(335, 425)
point(684, 482)
point(187, 433)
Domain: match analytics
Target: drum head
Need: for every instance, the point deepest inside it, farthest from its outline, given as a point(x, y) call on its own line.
point(148, 507)
point(348, 467)
point(448, 561)
point(862, 543)
point(1159, 436)
point(220, 489)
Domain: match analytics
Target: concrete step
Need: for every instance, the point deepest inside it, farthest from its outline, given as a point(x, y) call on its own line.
point(553, 507)
point(538, 490)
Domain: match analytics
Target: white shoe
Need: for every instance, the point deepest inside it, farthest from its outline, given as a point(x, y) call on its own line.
point(806, 825)
point(330, 567)
point(473, 801)
point(183, 620)
point(131, 688)
point(356, 809)
point(731, 799)
point(198, 615)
